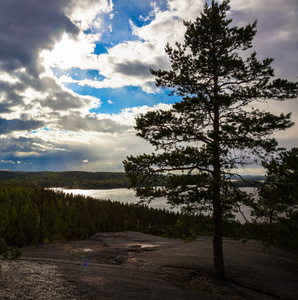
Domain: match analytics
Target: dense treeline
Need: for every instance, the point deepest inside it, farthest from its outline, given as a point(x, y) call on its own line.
point(32, 214)
point(70, 180)
point(89, 180)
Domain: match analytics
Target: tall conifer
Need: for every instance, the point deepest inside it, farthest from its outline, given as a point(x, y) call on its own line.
point(214, 129)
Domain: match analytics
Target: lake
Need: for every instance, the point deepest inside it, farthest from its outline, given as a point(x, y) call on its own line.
point(128, 196)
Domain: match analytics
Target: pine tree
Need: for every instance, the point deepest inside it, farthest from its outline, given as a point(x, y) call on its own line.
point(279, 193)
point(214, 129)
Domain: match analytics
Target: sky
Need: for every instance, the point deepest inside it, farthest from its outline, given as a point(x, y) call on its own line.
point(74, 75)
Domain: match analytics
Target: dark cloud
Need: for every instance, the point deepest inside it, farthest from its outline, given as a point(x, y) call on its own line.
point(49, 160)
point(8, 126)
point(38, 155)
point(4, 109)
point(134, 68)
point(14, 145)
point(9, 92)
point(26, 27)
point(61, 101)
point(57, 99)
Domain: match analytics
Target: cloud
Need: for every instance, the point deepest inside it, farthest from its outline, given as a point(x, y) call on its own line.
point(93, 123)
point(128, 63)
point(20, 147)
point(32, 97)
point(63, 100)
point(7, 126)
point(28, 98)
point(56, 150)
point(277, 37)
point(71, 52)
point(84, 13)
point(277, 31)
point(10, 95)
point(42, 100)
point(26, 27)
point(171, 22)
point(106, 140)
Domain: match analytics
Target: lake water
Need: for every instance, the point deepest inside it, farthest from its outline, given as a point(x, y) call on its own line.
point(128, 196)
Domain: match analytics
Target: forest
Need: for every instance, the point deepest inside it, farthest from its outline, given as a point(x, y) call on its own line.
point(31, 214)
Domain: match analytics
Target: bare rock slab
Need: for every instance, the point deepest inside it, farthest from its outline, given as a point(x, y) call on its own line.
point(131, 265)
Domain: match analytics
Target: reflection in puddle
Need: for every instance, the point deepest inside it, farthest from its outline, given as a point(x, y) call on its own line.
point(141, 246)
point(87, 250)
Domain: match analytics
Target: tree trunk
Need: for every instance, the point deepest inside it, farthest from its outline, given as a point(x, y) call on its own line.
point(218, 260)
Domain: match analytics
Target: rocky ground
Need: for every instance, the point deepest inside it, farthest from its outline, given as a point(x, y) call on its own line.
point(131, 265)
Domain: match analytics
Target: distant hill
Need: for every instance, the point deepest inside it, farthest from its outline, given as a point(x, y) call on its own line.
point(252, 177)
point(90, 180)
point(71, 179)
point(248, 180)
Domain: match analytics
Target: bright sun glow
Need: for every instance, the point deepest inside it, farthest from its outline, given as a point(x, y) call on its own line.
point(70, 53)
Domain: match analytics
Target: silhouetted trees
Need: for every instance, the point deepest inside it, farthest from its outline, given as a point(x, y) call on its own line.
point(275, 213)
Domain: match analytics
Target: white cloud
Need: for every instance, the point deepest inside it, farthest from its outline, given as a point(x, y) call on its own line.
point(7, 162)
point(128, 115)
point(6, 77)
point(119, 149)
point(127, 63)
point(167, 26)
point(84, 13)
point(72, 53)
